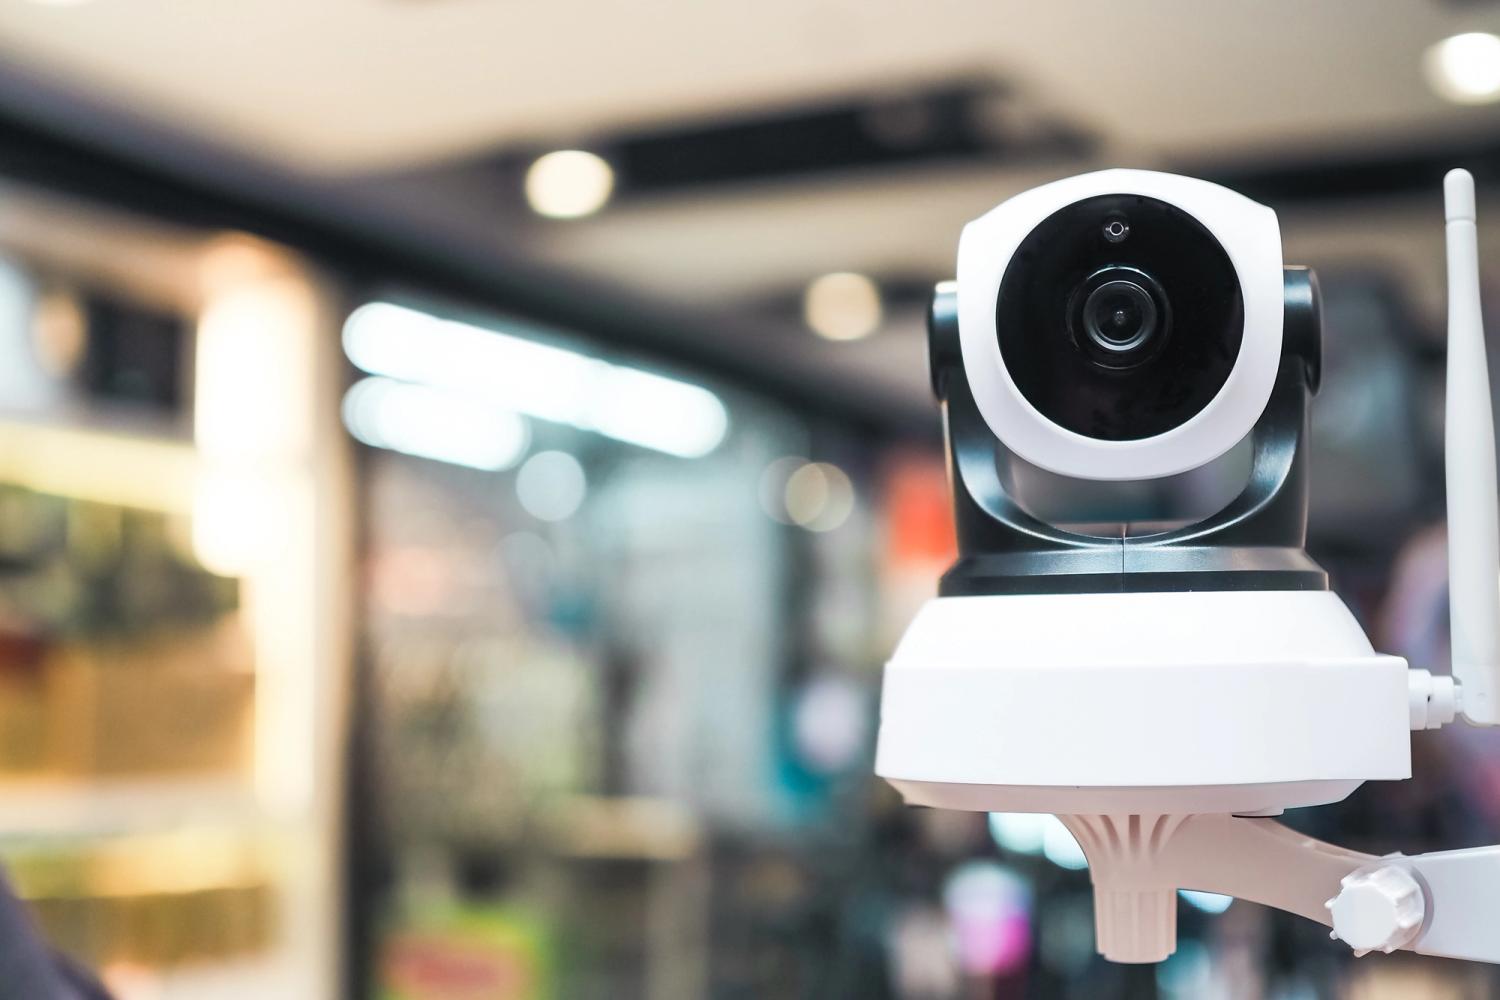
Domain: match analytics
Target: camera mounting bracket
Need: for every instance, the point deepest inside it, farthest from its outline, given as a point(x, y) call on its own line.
point(1432, 904)
point(1253, 543)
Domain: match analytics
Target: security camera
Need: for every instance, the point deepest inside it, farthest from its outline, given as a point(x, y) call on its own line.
point(1123, 324)
point(1126, 325)
point(1167, 690)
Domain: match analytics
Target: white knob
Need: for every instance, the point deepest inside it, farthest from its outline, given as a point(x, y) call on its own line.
point(1378, 909)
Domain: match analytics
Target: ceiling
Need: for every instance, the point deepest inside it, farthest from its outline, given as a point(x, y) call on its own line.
point(384, 93)
point(357, 84)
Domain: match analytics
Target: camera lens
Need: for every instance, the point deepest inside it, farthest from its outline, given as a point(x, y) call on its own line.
point(1119, 316)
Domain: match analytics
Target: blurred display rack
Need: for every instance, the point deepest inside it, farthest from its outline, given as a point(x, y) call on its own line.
point(243, 484)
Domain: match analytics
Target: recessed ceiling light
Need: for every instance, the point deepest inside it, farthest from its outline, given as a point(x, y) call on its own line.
point(569, 184)
point(842, 306)
point(1465, 68)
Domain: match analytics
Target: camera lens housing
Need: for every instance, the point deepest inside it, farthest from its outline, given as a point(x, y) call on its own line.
point(1122, 324)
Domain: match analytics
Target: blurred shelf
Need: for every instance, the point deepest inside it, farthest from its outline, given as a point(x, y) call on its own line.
point(271, 975)
point(86, 462)
point(43, 807)
point(633, 828)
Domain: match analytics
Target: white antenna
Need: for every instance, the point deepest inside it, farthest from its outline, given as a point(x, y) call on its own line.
point(1473, 517)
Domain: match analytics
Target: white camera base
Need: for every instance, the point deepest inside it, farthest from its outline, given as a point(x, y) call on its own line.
point(1244, 702)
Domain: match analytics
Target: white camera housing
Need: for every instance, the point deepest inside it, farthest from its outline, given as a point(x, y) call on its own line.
point(1248, 234)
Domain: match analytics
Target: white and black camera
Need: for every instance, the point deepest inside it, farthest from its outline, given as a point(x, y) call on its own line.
point(1126, 325)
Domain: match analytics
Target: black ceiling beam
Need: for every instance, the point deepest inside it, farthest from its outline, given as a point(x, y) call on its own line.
point(1400, 170)
point(963, 119)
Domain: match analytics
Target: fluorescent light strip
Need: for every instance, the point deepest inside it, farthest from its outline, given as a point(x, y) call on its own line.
point(538, 380)
point(430, 423)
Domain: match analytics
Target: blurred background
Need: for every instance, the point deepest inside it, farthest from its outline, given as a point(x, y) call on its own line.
point(464, 462)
